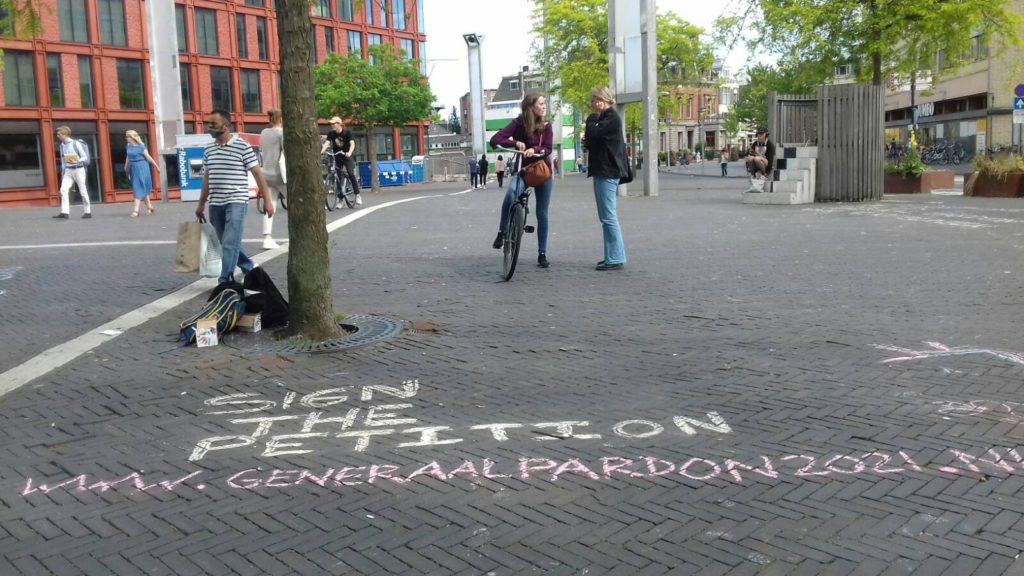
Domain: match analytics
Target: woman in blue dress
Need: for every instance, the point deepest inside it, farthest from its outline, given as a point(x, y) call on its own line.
point(137, 167)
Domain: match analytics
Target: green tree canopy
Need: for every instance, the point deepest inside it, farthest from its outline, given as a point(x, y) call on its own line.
point(877, 37)
point(751, 108)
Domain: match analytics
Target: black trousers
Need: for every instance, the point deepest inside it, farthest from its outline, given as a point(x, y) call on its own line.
point(350, 166)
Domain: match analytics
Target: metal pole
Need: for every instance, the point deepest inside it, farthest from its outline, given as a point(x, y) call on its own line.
point(649, 61)
point(476, 92)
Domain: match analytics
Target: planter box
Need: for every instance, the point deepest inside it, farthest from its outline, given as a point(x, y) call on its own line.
point(992, 187)
point(930, 180)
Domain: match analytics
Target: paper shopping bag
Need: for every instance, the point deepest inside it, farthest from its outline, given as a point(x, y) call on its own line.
point(186, 255)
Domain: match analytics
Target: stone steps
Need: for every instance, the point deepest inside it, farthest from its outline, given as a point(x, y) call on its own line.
point(793, 180)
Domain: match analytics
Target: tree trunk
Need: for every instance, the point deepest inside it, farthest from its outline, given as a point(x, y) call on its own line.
point(371, 151)
point(309, 276)
point(876, 39)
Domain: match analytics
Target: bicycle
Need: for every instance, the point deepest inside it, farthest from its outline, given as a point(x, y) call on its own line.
point(336, 183)
point(281, 201)
point(517, 214)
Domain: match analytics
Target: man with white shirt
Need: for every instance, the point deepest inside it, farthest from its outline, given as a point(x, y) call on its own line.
point(74, 159)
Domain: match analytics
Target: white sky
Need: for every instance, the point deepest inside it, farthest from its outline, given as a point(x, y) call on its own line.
point(505, 25)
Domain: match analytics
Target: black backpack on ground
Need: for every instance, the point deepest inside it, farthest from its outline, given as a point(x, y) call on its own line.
point(265, 300)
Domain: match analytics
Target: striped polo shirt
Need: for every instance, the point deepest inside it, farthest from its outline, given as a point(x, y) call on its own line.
point(227, 171)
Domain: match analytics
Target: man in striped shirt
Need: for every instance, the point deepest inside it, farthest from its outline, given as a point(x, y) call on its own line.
point(228, 162)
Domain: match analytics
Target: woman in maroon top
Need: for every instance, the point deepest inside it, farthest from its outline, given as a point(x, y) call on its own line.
point(531, 134)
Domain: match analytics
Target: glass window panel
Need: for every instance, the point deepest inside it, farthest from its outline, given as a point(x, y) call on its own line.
point(422, 55)
point(85, 81)
point(20, 162)
point(55, 80)
point(345, 10)
point(250, 80)
point(254, 3)
point(220, 88)
point(19, 79)
point(419, 17)
point(72, 21)
point(355, 43)
point(398, 15)
point(406, 46)
point(111, 14)
point(179, 24)
point(322, 8)
point(206, 31)
point(184, 71)
point(329, 39)
point(369, 11)
point(373, 40)
point(261, 37)
point(240, 34)
point(129, 84)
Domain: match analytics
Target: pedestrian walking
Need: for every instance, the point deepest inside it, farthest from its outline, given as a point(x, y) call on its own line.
point(474, 173)
point(499, 171)
point(530, 134)
point(136, 165)
point(723, 157)
point(228, 162)
point(272, 149)
point(606, 165)
point(74, 159)
point(343, 145)
point(482, 171)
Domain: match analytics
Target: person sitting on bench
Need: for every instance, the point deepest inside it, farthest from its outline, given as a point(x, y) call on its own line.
point(760, 160)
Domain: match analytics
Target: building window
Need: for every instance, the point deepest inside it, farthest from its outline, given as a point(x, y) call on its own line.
point(979, 51)
point(206, 31)
point(406, 46)
point(513, 84)
point(179, 24)
point(54, 80)
point(112, 22)
point(329, 39)
point(72, 21)
point(384, 146)
point(85, 81)
point(398, 15)
point(355, 43)
point(419, 17)
point(844, 70)
point(220, 88)
point(254, 3)
point(6, 23)
point(243, 38)
point(19, 79)
point(250, 80)
point(370, 11)
point(129, 83)
point(20, 163)
point(408, 145)
point(423, 58)
point(322, 8)
point(261, 37)
point(373, 40)
point(184, 72)
point(345, 10)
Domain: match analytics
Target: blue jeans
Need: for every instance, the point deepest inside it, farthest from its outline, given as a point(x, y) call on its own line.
point(229, 220)
point(604, 193)
point(542, 194)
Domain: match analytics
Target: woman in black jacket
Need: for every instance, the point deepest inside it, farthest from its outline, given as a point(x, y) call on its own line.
point(607, 163)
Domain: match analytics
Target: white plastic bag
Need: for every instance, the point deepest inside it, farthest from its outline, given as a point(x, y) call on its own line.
point(209, 252)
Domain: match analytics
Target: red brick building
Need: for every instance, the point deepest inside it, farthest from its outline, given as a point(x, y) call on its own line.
point(90, 70)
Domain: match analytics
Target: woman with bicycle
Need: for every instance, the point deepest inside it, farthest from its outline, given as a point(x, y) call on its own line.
point(531, 135)
point(607, 164)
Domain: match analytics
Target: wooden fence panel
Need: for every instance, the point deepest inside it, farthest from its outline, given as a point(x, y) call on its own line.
point(851, 143)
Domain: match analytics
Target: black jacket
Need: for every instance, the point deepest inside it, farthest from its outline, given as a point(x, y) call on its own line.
point(603, 139)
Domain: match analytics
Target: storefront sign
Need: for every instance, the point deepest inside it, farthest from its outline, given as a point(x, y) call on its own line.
point(926, 109)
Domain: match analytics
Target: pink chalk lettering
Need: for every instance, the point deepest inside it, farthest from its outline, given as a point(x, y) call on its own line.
point(431, 469)
point(384, 472)
point(576, 467)
point(276, 443)
point(345, 474)
point(882, 460)
point(135, 478)
point(527, 465)
point(652, 467)
point(467, 467)
point(806, 470)
point(765, 470)
point(858, 466)
point(307, 475)
point(488, 465)
point(247, 482)
point(907, 460)
point(714, 469)
point(280, 478)
point(170, 486)
point(612, 464)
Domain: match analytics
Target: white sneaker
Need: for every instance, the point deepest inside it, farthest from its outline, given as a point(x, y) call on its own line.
point(269, 244)
point(359, 199)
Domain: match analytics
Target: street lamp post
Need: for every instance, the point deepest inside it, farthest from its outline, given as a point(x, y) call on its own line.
point(476, 92)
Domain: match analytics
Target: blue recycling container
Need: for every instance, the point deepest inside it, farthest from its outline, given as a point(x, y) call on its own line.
point(389, 172)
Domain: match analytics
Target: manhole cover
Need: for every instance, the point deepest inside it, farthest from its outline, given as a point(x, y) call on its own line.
point(365, 329)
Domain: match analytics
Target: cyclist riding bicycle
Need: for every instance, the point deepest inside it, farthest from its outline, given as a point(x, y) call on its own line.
point(530, 134)
point(343, 145)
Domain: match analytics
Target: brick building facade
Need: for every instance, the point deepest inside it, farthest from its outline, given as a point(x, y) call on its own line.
point(89, 69)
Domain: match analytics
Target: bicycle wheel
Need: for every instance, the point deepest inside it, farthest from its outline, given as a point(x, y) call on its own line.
point(513, 240)
point(347, 194)
point(331, 193)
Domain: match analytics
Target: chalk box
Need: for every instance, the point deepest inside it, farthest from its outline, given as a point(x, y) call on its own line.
point(206, 333)
point(249, 323)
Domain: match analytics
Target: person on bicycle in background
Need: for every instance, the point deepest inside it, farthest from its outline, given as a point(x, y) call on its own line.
point(343, 145)
point(530, 134)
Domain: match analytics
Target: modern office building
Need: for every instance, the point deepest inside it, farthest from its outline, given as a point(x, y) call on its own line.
point(90, 69)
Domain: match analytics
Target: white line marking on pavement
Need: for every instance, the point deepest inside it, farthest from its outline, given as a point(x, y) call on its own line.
point(124, 243)
point(61, 354)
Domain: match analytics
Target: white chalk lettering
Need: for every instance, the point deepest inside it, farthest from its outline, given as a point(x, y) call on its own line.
point(276, 443)
point(715, 423)
point(563, 430)
point(263, 423)
point(408, 390)
point(387, 418)
point(324, 398)
point(497, 430)
point(428, 437)
point(239, 400)
point(364, 437)
point(314, 418)
point(207, 444)
point(653, 429)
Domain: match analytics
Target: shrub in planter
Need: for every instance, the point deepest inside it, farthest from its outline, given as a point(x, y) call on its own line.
point(910, 167)
point(1002, 176)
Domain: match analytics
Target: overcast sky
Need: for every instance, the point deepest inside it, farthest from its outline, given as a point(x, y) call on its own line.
point(506, 46)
